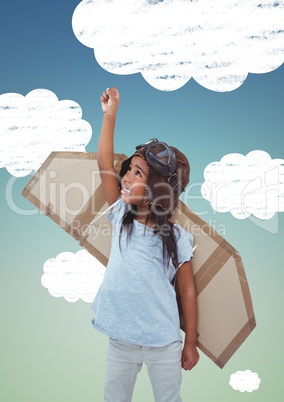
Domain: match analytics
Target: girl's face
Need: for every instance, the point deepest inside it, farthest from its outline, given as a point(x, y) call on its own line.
point(134, 182)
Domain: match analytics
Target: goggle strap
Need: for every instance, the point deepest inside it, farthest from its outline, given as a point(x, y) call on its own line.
point(147, 144)
point(175, 184)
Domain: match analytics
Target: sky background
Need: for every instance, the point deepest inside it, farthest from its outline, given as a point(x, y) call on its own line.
point(49, 350)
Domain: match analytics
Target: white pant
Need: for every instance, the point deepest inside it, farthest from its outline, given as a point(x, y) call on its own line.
point(124, 361)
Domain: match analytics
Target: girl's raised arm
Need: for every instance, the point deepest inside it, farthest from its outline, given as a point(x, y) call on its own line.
point(110, 101)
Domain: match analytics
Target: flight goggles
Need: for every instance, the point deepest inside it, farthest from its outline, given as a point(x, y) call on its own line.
point(163, 159)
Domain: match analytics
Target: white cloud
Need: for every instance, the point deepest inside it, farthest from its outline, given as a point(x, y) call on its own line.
point(245, 185)
point(244, 381)
point(33, 126)
point(73, 276)
point(217, 43)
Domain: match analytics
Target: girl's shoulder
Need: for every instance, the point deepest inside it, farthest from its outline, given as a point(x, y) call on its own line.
point(181, 232)
point(185, 243)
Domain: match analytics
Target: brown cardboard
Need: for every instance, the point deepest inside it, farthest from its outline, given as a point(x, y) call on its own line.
point(68, 189)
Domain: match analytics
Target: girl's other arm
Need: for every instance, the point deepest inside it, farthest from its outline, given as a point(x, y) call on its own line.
point(109, 101)
point(186, 290)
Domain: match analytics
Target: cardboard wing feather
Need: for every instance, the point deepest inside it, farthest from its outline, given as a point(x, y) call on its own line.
point(68, 189)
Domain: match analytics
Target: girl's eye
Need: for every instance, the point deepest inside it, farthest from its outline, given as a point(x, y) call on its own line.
point(138, 173)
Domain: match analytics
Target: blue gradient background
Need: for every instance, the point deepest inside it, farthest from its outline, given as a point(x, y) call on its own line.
point(49, 351)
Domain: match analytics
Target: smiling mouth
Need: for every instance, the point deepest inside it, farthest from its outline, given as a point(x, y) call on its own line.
point(125, 190)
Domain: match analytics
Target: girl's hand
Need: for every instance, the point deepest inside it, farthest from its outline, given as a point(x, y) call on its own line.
point(110, 100)
point(190, 356)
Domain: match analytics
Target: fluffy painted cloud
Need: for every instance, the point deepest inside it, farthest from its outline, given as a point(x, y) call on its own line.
point(33, 126)
point(73, 276)
point(245, 185)
point(244, 381)
point(216, 42)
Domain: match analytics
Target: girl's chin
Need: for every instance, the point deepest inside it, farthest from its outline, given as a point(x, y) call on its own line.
point(124, 199)
point(124, 195)
point(133, 200)
point(128, 199)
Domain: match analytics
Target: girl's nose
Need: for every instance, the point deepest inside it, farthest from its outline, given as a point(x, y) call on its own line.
point(127, 177)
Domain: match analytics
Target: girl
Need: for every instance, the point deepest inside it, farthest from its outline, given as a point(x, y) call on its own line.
point(136, 304)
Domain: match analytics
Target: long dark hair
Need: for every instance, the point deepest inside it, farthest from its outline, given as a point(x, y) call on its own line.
point(162, 228)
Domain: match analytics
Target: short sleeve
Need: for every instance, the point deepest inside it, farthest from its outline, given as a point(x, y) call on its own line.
point(185, 242)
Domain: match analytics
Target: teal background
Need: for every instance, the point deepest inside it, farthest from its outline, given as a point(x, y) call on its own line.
point(49, 350)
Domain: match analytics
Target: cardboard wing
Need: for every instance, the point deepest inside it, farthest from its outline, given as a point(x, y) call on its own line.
point(68, 189)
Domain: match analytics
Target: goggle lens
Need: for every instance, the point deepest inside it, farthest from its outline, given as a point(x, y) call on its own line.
point(163, 159)
point(161, 153)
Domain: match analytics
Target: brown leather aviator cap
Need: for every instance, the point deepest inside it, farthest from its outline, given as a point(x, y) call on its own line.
point(162, 191)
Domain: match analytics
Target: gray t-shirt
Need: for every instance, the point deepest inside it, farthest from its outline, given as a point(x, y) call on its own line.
point(136, 302)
